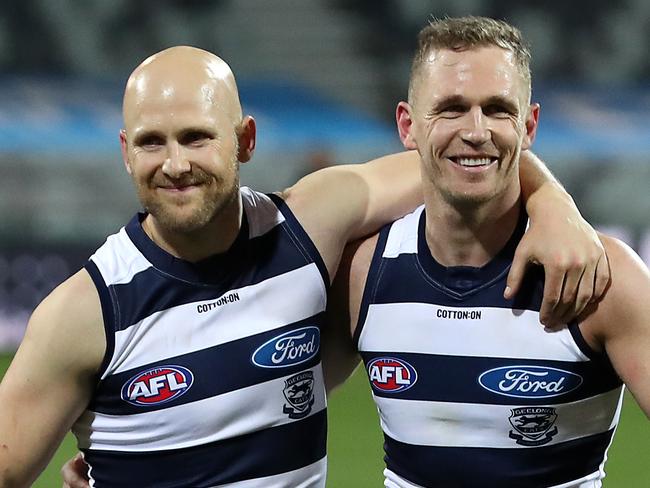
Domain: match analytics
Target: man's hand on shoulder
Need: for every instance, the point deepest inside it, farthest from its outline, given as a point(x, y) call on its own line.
point(574, 260)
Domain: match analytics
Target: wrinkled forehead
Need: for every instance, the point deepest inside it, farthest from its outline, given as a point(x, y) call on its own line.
point(482, 70)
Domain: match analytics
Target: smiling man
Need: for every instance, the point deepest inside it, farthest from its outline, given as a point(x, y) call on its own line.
point(187, 351)
point(469, 389)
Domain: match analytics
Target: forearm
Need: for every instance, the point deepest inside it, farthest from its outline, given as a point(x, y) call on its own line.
point(537, 183)
point(394, 189)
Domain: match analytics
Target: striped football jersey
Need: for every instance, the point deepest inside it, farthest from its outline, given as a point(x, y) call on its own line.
point(471, 390)
point(212, 375)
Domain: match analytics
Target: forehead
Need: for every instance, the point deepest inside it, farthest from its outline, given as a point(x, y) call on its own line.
point(472, 73)
point(163, 102)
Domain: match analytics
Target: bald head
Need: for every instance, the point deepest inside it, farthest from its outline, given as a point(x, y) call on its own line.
point(182, 75)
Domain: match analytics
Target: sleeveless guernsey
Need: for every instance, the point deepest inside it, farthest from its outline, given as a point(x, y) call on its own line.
point(470, 388)
point(212, 375)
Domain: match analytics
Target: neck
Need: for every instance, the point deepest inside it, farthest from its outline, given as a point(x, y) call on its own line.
point(214, 238)
point(471, 235)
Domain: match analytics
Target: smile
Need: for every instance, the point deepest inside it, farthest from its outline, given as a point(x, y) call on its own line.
point(473, 162)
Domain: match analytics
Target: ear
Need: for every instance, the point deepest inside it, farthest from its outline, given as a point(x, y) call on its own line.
point(531, 126)
point(125, 153)
point(246, 139)
point(405, 125)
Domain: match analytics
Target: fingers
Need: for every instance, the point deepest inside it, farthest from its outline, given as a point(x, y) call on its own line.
point(553, 288)
point(75, 473)
point(570, 288)
point(601, 281)
point(517, 272)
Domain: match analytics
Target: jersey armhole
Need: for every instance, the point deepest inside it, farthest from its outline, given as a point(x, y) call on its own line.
point(301, 237)
point(597, 357)
point(108, 313)
point(372, 281)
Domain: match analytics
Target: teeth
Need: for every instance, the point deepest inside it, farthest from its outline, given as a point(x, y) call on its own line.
point(473, 161)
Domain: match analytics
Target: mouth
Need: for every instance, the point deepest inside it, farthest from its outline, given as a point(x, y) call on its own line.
point(473, 161)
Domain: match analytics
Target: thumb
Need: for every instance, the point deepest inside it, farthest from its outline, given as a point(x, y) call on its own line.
point(516, 275)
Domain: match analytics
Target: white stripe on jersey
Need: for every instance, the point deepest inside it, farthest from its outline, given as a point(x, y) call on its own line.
point(393, 480)
point(445, 424)
point(236, 412)
point(394, 325)
point(118, 260)
point(262, 307)
point(311, 476)
point(262, 213)
point(401, 238)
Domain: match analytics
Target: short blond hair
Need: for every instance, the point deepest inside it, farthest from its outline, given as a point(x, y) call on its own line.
point(462, 33)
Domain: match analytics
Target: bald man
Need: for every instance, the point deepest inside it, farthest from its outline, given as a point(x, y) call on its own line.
point(187, 351)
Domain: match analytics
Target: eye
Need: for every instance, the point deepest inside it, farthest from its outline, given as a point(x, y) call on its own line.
point(151, 142)
point(497, 110)
point(451, 111)
point(195, 138)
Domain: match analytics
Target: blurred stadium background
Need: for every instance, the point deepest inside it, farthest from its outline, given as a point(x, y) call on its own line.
point(322, 78)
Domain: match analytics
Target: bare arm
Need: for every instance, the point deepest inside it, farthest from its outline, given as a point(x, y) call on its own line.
point(343, 203)
point(574, 260)
point(50, 380)
point(620, 323)
point(340, 357)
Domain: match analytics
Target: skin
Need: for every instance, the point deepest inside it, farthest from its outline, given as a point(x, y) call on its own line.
point(184, 137)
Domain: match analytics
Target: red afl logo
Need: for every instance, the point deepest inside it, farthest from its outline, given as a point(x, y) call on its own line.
point(390, 375)
point(157, 385)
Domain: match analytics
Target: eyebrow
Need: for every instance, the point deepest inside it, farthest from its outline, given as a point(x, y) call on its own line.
point(460, 100)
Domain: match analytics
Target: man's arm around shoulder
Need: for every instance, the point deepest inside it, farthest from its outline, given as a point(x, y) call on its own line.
point(51, 379)
point(342, 203)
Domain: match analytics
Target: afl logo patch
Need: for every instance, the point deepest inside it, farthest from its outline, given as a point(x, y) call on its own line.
point(529, 381)
point(157, 385)
point(391, 375)
point(288, 349)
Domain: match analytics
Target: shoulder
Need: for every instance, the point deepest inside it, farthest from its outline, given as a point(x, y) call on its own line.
point(624, 307)
point(70, 318)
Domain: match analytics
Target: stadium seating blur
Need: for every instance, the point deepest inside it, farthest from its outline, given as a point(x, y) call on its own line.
point(321, 77)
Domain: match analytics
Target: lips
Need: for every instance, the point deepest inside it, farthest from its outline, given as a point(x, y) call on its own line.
point(473, 161)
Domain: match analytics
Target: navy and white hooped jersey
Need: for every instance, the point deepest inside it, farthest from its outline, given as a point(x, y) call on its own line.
point(470, 388)
point(212, 375)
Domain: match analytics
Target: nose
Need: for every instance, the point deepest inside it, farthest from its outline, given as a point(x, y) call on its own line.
point(476, 131)
point(176, 163)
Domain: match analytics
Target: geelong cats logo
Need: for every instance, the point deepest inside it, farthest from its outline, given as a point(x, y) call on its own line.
point(299, 393)
point(533, 426)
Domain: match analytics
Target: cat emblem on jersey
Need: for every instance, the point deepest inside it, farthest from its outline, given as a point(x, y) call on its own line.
point(299, 393)
point(533, 426)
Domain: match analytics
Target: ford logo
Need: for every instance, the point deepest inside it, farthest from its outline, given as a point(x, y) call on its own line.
point(529, 381)
point(291, 348)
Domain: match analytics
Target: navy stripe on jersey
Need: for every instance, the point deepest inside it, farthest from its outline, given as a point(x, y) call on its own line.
point(463, 281)
point(300, 237)
point(423, 289)
point(149, 291)
point(258, 454)
point(107, 314)
point(503, 468)
point(212, 369)
point(455, 378)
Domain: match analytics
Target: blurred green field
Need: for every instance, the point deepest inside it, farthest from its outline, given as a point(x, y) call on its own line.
point(355, 443)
